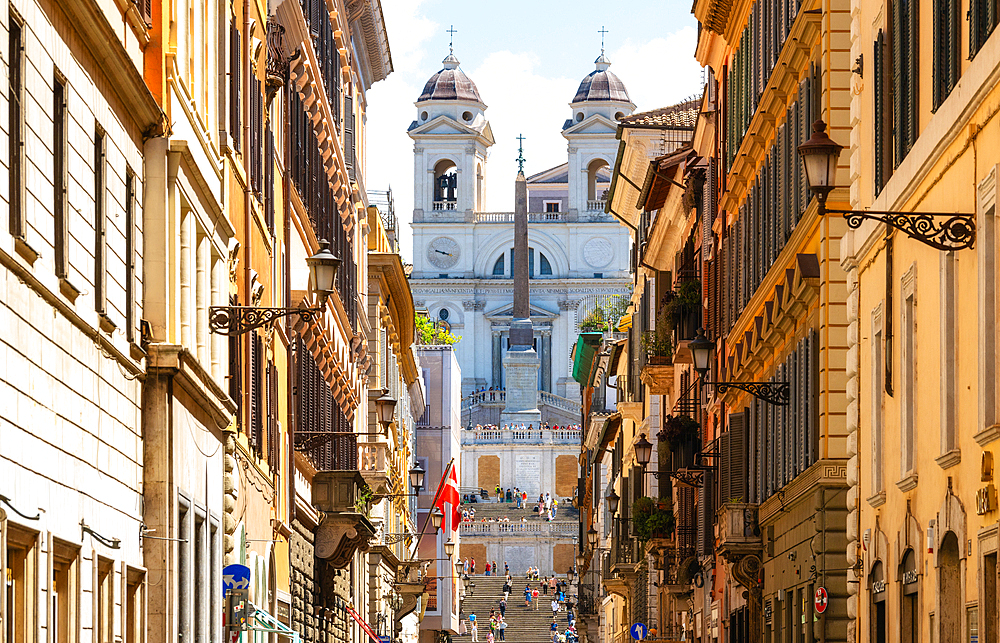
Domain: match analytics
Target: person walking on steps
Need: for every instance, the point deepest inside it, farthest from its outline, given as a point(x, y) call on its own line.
point(472, 627)
point(555, 608)
point(487, 568)
point(501, 626)
point(534, 598)
point(503, 607)
point(527, 596)
point(553, 630)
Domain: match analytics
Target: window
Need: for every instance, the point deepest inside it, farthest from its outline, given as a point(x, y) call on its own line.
point(254, 155)
point(235, 79)
point(949, 348)
point(877, 592)
point(134, 627)
point(882, 114)
point(443, 314)
point(16, 144)
point(982, 22)
point(255, 423)
point(989, 572)
point(65, 617)
point(907, 361)
point(100, 222)
point(185, 571)
point(876, 402)
point(950, 588)
point(945, 49)
point(19, 607)
point(909, 615)
point(545, 267)
point(552, 206)
point(105, 601)
point(906, 71)
point(130, 253)
point(498, 267)
point(59, 152)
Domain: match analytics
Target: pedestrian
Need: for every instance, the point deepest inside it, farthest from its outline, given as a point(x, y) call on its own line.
point(489, 637)
point(534, 598)
point(472, 626)
point(487, 568)
point(496, 570)
point(502, 625)
point(555, 608)
point(527, 596)
point(552, 583)
point(506, 570)
point(503, 607)
point(553, 630)
point(545, 586)
point(472, 569)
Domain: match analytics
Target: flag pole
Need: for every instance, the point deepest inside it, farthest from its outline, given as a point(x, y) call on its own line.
point(437, 494)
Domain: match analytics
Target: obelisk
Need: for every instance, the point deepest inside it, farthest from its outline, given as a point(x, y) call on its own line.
point(521, 362)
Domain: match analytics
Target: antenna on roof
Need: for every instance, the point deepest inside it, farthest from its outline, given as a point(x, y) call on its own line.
point(451, 41)
point(602, 31)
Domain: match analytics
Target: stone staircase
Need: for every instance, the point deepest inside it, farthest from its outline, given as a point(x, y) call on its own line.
point(523, 625)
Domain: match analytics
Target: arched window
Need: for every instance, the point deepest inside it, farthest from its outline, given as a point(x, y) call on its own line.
point(445, 185)
point(443, 314)
point(909, 613)
point(598, 179)
point(544, 266)
point(498, 267)
point(877, 586)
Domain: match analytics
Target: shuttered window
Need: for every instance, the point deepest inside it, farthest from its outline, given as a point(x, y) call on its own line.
point(706, 516)
point(130, 253)
point(883, 115)
point(349, 134)
point(905, 74)
point(269, 204)
point(145, 8)
point(734, 460)
point(945, 49)
point(323, 432)
point(59, 176)
point(982, 22)
point(257, 403)
point(254, 154)
point(15, 145)
point(273, 443)
point(235, 89)
point(236, 372)
point(687, 520)
point(100, 222)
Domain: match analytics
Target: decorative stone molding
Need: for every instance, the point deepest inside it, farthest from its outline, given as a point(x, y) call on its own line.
point(631, 411)
point(473, 305)
point(659, 378)
point(569, 304)
point(342, 530)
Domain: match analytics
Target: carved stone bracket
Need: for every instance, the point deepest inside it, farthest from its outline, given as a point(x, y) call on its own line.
point(411, 593)
point(747, 570)
point(340, 535)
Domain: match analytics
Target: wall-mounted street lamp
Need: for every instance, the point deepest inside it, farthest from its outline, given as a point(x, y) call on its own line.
point(416, 481)
point(237, 320)
point(449, 548)
point(385, 407)
point(643, 450)
point(941, 230)
point(613, 500)
point(592, 537)
point(701, 348)
point(437, 517)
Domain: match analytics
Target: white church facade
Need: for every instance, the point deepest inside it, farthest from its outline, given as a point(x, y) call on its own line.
point(462, 255)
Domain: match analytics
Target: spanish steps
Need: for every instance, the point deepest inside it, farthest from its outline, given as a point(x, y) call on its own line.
point(524, 625)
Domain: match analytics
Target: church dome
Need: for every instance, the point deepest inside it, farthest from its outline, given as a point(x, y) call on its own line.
point(450, 83)
point(601, 84)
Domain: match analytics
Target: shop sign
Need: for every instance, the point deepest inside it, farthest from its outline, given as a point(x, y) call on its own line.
point(878, 586)
point(910, 576)
point(986, 499)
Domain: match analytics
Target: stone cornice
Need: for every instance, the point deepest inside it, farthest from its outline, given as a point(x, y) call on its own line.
point(193, 379)
point(829, 474)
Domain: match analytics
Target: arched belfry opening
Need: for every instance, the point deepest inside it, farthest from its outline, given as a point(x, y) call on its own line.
point(445, 185)
point(598, 179)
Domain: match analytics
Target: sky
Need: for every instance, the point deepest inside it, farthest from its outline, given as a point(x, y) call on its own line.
point(527, 59)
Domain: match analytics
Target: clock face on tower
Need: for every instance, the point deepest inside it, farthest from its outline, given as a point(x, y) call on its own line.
point(443, 252)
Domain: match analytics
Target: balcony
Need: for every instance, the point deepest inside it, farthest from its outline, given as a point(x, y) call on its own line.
point(658, 375)
point(535, 528)
point(533, 217)
point(342, 496)
point(496, 435)
point(739, 531)
point(374, 463)
point(445, 205)
point(595, 205)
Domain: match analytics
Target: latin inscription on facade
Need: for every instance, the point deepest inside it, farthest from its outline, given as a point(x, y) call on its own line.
point(528, 474)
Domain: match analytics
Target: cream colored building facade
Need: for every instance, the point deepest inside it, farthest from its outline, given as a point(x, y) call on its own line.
point(922, 385)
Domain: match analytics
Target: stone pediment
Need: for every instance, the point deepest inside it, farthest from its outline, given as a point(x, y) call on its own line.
point(444, 125)
point(505, 313)
point(595, 124)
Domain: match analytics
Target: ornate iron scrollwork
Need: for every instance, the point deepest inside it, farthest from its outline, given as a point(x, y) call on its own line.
point(690, 477)
point(236, 320)
point(771, 392)
point(941, 230)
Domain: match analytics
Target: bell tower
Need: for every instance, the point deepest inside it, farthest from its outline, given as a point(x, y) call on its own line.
point(451, 136)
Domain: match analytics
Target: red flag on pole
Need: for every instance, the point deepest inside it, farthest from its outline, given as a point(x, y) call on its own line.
point(449, 493)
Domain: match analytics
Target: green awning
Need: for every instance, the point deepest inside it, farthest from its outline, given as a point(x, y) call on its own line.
point(587, 345)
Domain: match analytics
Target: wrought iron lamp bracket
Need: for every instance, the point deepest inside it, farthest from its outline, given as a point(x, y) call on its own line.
point(941, 230)
point(110, 543)
point(236, 320)
point(776, 393)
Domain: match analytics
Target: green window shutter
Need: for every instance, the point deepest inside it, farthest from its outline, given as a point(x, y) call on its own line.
point(898, 101)
point(879, 120)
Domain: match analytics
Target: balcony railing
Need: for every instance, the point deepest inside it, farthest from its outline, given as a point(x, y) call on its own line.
point(445, 205)
point(596, 205)
point(533, 217)
point(496, 435)
point(739, 531)
point(534, 528)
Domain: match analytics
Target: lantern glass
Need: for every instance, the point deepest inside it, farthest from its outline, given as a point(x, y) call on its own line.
point(323, 270)
point(819, 156)
point(592, 536)
point(460, 566)
point(701, 349)
point(417, 478)
point(613, 499)
point(449, 548)
point(436, 519)
point(579, 561)
point(385, 406)
point(643, 450)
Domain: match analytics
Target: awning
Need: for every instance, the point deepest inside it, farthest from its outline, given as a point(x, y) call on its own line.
point(616, 354)
point(267, 623)
point(607, 437)
point(583, 356)
point(364, 626)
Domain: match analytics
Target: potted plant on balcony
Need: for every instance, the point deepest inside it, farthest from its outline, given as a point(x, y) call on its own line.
point(683, 437)
point(652, 519)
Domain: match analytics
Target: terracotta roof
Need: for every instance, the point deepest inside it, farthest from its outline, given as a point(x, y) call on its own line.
point(681, 115)
point(450, 83)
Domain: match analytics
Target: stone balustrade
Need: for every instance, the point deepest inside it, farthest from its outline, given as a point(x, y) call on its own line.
point(496, 435)
point(534, 527)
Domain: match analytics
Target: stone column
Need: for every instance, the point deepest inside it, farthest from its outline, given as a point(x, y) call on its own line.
point(497, 357)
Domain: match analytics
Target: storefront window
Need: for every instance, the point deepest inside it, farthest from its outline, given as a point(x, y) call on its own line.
point(876, 589)
point(909, 613)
